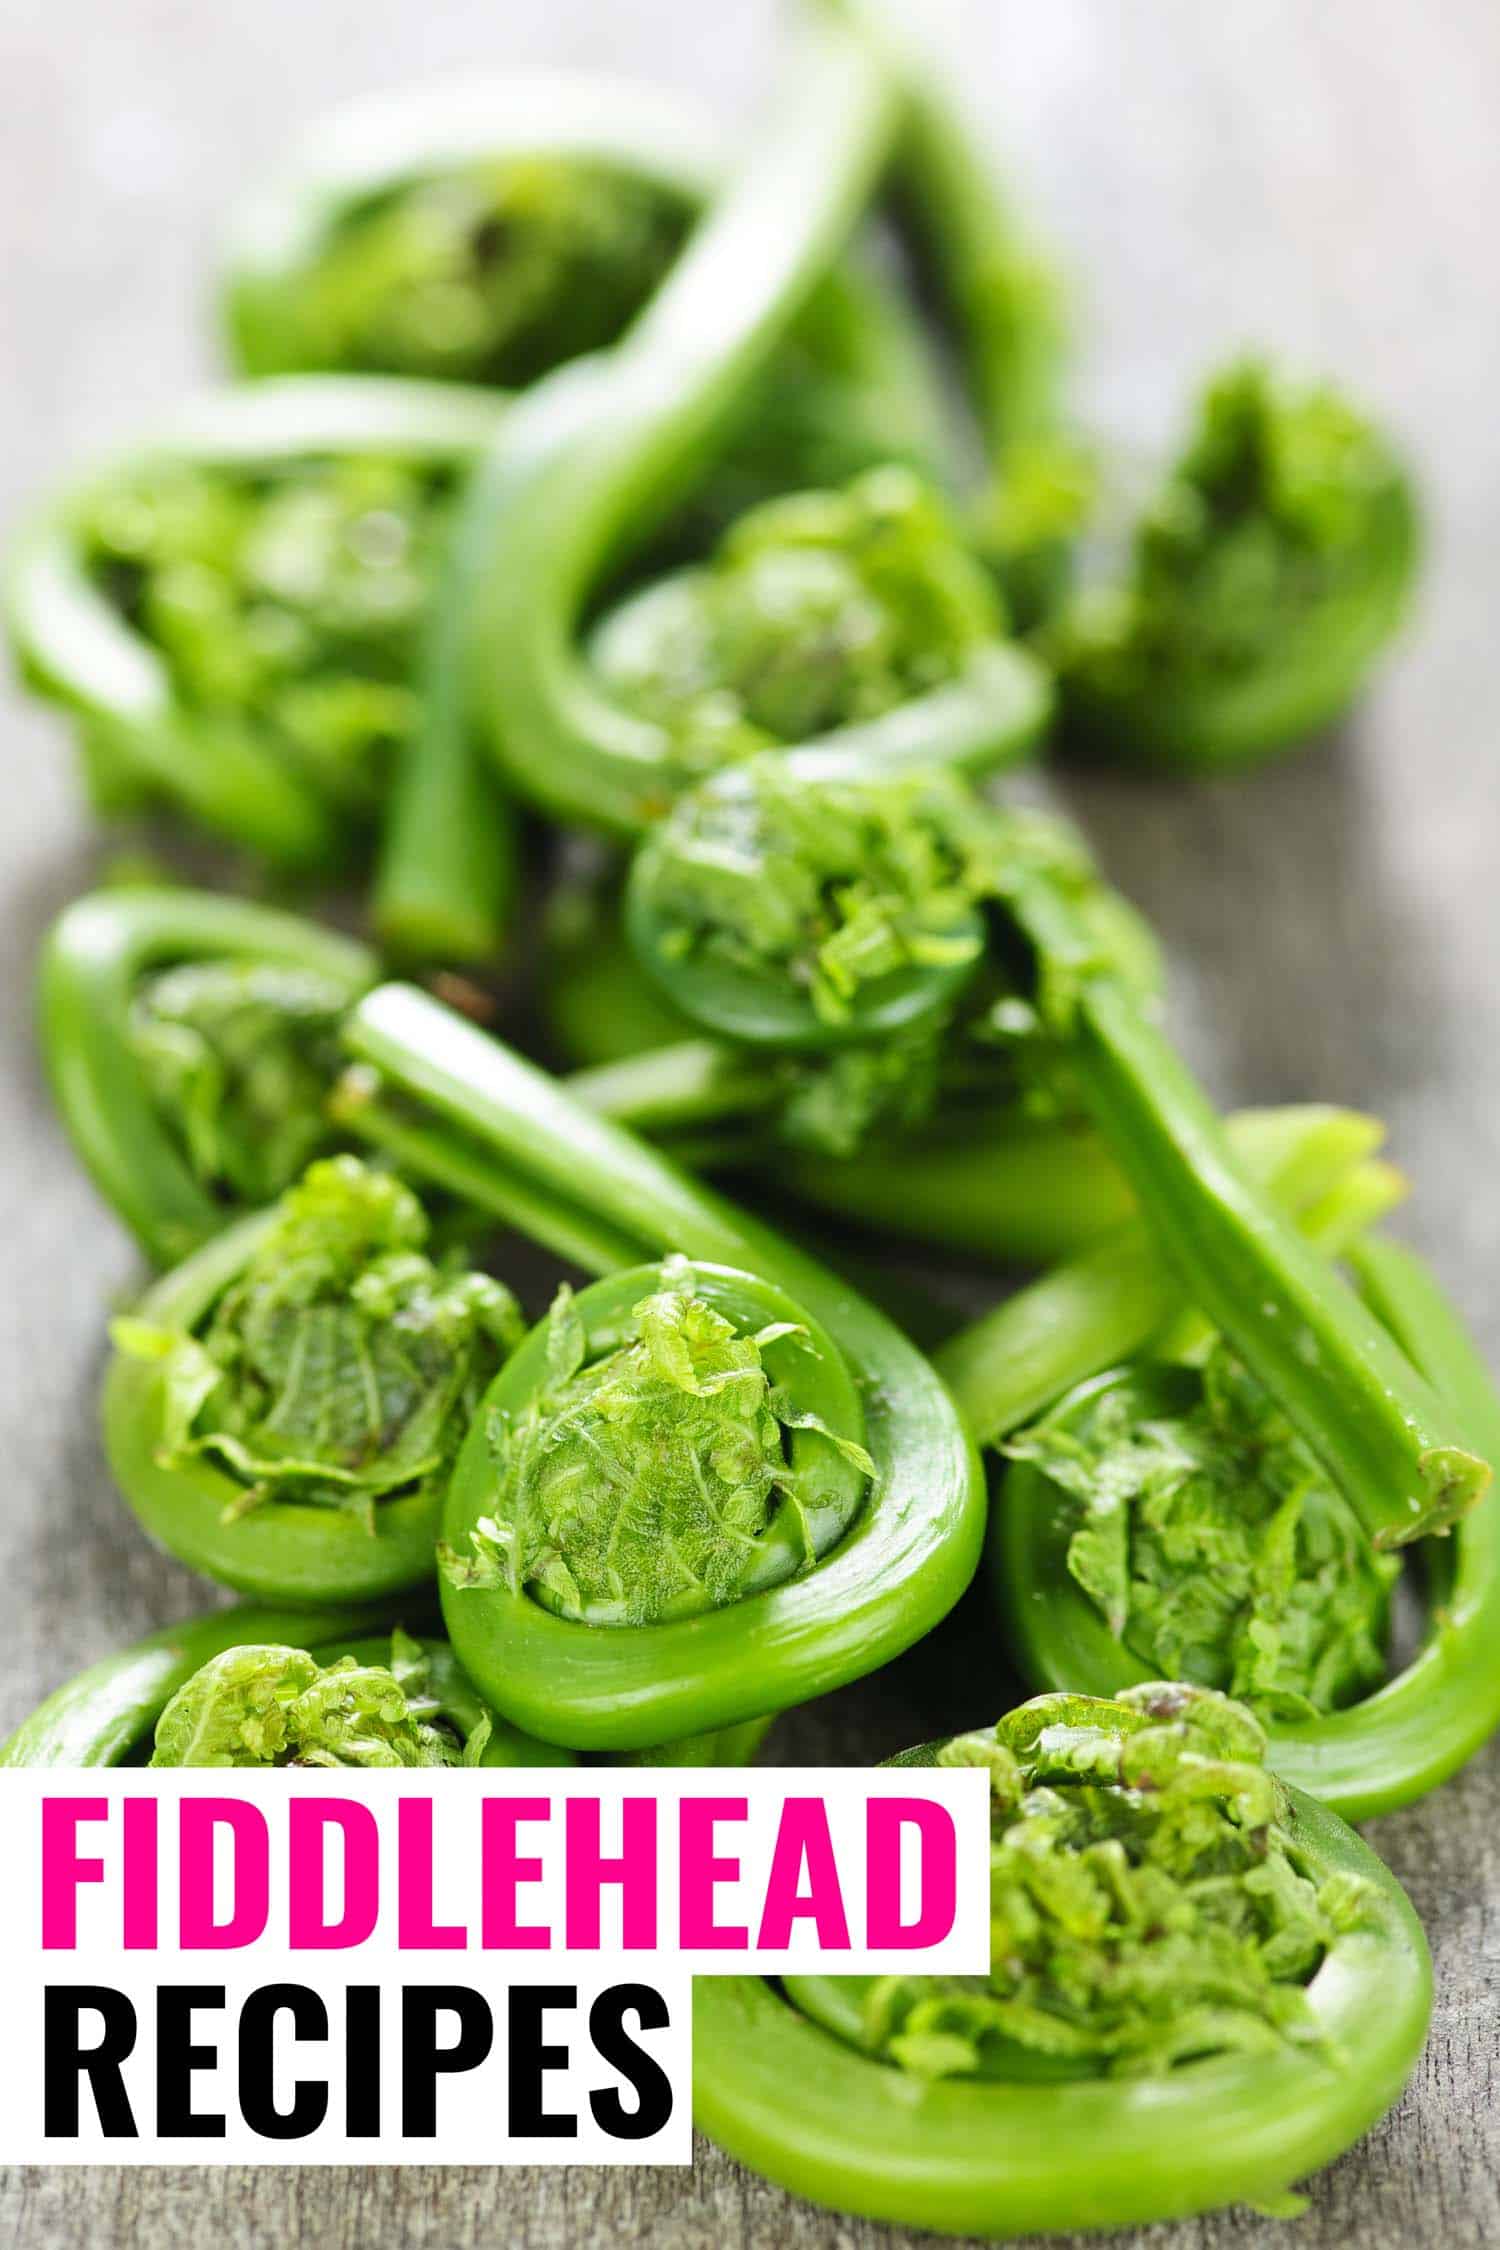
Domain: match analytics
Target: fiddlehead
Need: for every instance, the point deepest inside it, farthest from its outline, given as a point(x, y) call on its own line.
point(1183, 1952)
point(266, 1704)
point(352, 1685)
point(788, 918)
point(1202, 1530)
point(1202, 1524)
point(785, 909)
point(240, 1055)
point(222, 1689)
point(594, 457)
point(284, 1407)
point(852, 1564)
point(455, 233)
point(190, 1041)
point(1109, 1820)
point(234, 612)
point(396, 249)
point(491, 234)
point(817, 611)
point(1263, 582)
point(674, 1439)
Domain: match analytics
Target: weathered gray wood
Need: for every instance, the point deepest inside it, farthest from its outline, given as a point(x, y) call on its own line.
point(1325, 176)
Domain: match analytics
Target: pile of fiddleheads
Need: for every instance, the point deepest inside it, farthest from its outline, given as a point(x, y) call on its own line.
point(678, 546)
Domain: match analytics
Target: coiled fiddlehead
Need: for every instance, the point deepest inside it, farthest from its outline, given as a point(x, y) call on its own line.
point(482, 235)
point(396, 1702)
point(1207, 1503)
point(659, 1454)
point(284, 1407)
point(1264, 580)
point(491, 233)
point(188, 1040)
point(223, 1675)
point(250, 1686)
point(1396, 1449)
point(1185, 1955)
point(1203, 1529)
point(593, 459)
point(465, 234)
point(850, 1567)
point(233, 611)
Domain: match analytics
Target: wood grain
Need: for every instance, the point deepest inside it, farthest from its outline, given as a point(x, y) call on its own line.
point(1327, 177)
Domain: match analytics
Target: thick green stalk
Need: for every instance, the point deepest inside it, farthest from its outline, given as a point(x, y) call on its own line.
point(441, 1158)
point(599, 452)
point(1400, 1453)
point(446, 866)
point(1008, 1187)
point(1001, 302)
point(1099, 1309)
point(1432, 1717)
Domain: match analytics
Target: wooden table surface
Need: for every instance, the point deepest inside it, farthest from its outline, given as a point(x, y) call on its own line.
point(1323, 177)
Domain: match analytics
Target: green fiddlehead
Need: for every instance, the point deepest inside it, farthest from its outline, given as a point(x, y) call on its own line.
point(284, 1407)
point(599, 451)
point(1208, 1539)
point(188, 1040)
point(360, 1685)
point(1184, 1953)
point(1263, 581)
point(485, 235)
point(674, 1439)
point(852, 1563)
point(249, 1686)
point(232, 613)
point(393, 1703)
point(1204, 1525)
